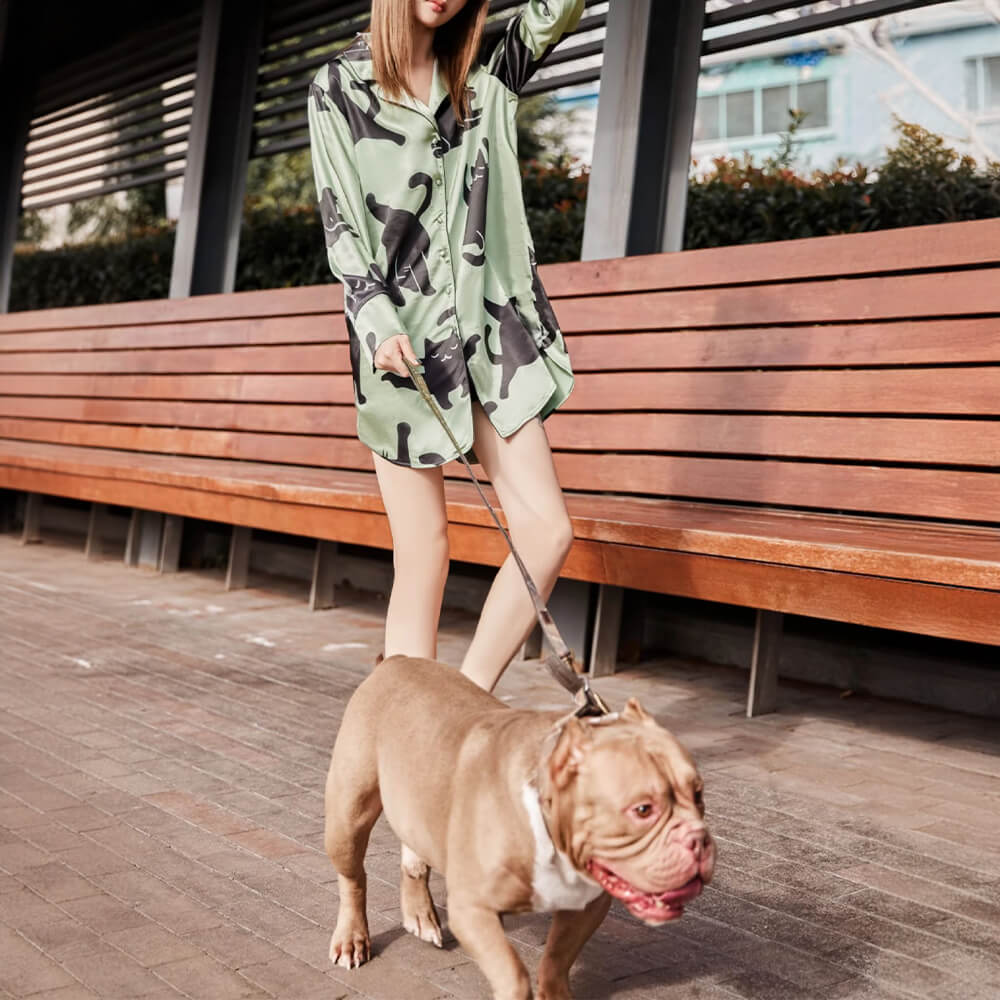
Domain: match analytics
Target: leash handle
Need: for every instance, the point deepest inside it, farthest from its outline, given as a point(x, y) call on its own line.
point(561, 664)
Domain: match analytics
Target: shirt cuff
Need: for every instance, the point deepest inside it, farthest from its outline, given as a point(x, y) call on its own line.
point(374, 322)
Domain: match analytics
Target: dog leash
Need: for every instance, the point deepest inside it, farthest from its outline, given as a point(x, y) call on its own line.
point(560, 661)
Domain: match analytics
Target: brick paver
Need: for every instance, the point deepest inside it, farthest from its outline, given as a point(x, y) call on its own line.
point(163, 749)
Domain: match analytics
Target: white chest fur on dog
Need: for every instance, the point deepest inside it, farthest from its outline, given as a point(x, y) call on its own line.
point(555, 883)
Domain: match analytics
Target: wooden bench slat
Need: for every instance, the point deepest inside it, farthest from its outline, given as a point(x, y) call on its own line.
point(267, 302)
point(319, 450)
point(283, 358)
point(215, 331)
point(929, 493)
point(948, 245)
point(956, 293)
point(929, 609)
point(266, 417)
point(931, 342)
point(927, 342)
point(962, 391)
point(913, 440)
point(221, 388)
point(932, 609)
point(211, 474)
point(925, 551)
point(857, 544)
point(234, 431)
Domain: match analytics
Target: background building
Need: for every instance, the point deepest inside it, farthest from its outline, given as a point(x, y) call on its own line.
point(937, 66)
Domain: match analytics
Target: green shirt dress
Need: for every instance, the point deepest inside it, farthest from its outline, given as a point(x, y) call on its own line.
point(426, 229)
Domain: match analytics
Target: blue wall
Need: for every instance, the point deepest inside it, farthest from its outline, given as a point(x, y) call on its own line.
point(864, 92)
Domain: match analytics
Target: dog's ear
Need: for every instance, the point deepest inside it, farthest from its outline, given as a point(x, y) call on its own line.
point(634, 712)
point(568, 753)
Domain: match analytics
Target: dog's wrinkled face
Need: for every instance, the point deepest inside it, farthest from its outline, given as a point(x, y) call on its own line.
point(626, 807)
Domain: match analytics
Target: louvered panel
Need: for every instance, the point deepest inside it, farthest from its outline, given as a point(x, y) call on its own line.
point(302, 36)
point(116, 119)
point(751, 22)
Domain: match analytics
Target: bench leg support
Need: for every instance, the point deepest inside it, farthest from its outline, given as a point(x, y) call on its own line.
point(607, 630)
point(763, 693)
point(94, 549)
point(321, 594)
point(532, 648)
point(31, 532)
point(132, 538)
point(170, 543)
point(239, 557)
point(570, 603)
point(6, 511)
point(144, 543)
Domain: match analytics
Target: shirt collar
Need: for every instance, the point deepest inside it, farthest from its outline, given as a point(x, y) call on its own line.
point(360, 57)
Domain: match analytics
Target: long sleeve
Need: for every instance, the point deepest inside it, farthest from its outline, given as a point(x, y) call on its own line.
point(528, 38)
point(368, 305)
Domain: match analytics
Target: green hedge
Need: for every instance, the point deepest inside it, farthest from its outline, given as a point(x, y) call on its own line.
point(88, 273)
point(921, 180)
point(278, 248)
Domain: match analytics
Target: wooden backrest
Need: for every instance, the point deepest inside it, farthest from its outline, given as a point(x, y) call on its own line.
point(857, 373)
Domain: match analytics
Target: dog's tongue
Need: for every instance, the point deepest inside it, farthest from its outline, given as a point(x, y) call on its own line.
point(650, 907)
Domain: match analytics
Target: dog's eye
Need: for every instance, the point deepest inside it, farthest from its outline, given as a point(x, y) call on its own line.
point(643, 811)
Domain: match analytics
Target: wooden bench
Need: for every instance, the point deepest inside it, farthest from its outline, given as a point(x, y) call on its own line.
point(807, 427)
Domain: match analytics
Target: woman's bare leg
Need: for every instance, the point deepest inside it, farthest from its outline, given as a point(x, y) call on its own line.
point(414, 502)
point(522, 473)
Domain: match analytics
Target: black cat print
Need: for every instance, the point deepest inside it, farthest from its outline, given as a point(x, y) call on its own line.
point(425, 227)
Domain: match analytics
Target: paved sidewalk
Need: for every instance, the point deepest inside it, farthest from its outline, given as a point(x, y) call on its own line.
point(163, 748)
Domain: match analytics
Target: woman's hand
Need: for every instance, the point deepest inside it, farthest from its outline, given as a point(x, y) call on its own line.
point(391, 352)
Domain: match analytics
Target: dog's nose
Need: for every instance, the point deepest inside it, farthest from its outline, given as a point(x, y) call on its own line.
point(695, 840)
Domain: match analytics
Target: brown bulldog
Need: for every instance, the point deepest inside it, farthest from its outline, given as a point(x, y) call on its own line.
point(520, 811)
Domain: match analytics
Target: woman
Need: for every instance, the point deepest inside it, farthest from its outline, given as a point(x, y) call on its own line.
point(414, 154)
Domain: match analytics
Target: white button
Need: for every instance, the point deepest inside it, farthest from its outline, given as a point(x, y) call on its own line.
point(440, 180)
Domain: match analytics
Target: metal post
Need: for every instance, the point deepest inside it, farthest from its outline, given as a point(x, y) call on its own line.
point(762, 695)
point(239, 557)
point(322, 592)
point(17, 84)
point(607, 630)
point(208, 229)
point(645, 120)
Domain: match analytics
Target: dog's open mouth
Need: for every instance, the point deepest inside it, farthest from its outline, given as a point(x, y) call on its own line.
point(650, 907)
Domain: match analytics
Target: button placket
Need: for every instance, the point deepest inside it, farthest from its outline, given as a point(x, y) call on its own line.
point(443, 251)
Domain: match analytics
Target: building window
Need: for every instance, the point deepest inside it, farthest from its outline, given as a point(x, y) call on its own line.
point(982, 83)
point(706, 119)
point(762, 111)
point(740, 113)
point(775, 102)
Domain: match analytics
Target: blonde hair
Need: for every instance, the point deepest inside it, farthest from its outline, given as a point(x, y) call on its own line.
point(456, 45)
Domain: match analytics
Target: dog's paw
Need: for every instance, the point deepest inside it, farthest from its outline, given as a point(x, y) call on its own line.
point(350, 947)
point(424, 926)
point(558, 993)
point(552, 986)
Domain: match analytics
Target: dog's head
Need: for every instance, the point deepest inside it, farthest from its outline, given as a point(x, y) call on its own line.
point(623, 800)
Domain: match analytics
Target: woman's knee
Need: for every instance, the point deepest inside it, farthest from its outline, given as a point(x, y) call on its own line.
point(424, 553)
point(561, 529)
point(550, 533)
